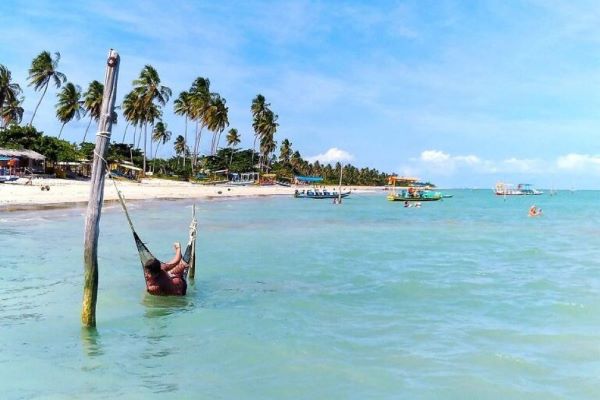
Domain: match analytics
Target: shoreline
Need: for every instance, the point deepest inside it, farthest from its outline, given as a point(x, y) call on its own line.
point(65, 193)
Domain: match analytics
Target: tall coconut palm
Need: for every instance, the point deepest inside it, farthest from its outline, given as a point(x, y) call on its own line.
point(216, 119)
point(12, 113)
point(180, 146)
point(92, 101)
point(233, 139)
point(266, 127)
point(285, 151)
point(200, 98)
point(147, 86)
point(69, 105)
point(152, 114)
point(42, 72)
point(160, 134)
point(131, 113)
point(9, 91)
point(183, 106)
point(258, 108)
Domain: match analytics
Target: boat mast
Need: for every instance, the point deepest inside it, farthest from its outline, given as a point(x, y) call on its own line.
point(340, 188)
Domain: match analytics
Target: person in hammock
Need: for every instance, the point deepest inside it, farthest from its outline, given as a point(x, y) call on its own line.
point(168, 279)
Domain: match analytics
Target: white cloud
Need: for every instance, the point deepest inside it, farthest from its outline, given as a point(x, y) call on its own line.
point(434, 156)
point(331, 156)
point(578, 162)
point(438, 162)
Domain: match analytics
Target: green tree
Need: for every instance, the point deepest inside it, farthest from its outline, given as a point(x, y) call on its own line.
point(285, 152)
point(19, 137)
point(233, 139)
point(216, 119)
point(258, 109)
point(9, 91)
point(69, 105)
point(92, 101)
point(42, 72)
point(160, 134)
point(200, 98)
point(180, 146)
point(147, 86)
point(183, 105)
point(12, 113)
point(131, 107)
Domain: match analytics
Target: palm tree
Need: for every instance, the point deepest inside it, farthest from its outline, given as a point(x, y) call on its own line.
point(266, 127)
point(183, 106)
point(42, 72)
point(285, 151)
point(9, 91)
point(258, 108)
point(69, 105)
point(180, 146)
point(233, 139)
point(147, 86)
point(216, 118)
point(131, 113)
point(92, 101)
point(160, 134)
point(12, 112)
point(200, 99)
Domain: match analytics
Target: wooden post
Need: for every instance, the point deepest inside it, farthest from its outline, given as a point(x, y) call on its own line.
point(192, 271)
point(92, 219)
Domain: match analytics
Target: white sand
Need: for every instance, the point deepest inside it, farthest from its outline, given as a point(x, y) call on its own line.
point(63, 192)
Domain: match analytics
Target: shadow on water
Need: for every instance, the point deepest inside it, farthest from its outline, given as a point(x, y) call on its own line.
point(91, 340)
point(162, 306)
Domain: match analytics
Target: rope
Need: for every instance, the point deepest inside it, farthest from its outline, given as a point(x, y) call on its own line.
point(104, 134)
point(121, 198)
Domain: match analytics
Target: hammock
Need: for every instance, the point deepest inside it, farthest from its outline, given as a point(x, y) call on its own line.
point(145, 254)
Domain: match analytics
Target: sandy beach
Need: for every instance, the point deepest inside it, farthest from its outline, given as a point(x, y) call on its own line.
point(18, 195)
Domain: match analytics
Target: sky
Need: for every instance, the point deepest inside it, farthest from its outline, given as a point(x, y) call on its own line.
point(458, 93)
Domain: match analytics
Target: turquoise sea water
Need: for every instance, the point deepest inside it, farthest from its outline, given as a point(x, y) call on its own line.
point(301, 299)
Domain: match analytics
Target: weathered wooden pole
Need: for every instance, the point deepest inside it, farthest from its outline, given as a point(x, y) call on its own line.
point(192, 271)
point(92, 218)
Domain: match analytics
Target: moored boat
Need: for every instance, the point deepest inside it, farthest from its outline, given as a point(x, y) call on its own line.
point(319, 194)
point(522, 189)
point(415, 195)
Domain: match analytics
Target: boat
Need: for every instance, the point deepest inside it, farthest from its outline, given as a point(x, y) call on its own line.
point(319, 194)
point(522, 189)
point(412, 193)
point(8, 178)
point(415, 195)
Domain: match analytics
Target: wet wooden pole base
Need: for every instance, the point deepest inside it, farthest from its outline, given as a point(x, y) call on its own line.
point(94, 209)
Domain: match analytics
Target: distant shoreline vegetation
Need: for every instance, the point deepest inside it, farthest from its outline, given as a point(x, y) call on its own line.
point(142, 111)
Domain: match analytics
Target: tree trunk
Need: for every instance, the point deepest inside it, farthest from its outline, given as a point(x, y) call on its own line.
point(231, 158)
point(254, 150)
point(94, 209)
point(38, 104)
point(86, 130)
point(145, 140)
point(61, 129)
point(185, 138)
point(125, 133)
point(154, 159)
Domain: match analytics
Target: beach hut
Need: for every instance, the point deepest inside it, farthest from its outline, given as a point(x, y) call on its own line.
point(267, 179)
point(16, 162)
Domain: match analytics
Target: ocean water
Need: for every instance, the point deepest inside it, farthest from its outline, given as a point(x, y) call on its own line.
point(465, 298)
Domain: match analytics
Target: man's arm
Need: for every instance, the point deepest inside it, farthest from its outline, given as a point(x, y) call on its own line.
point(175, 260)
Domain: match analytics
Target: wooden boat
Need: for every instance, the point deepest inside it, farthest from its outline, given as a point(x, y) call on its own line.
point(317, 194)
point(417, 195)
point(412, 193)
